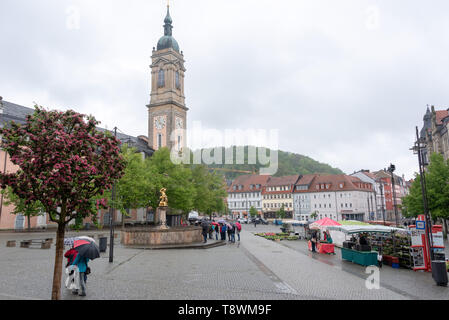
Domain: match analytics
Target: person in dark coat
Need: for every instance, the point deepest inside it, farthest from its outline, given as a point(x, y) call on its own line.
point(217, 231)
point(205, 231)
point(313, 240)
point(229, 229)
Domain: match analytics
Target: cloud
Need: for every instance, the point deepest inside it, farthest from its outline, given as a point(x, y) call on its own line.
point(345, 82)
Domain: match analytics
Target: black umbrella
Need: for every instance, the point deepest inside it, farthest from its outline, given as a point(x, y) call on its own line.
point(89, 250)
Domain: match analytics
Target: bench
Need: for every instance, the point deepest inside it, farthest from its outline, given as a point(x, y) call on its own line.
point(36, 243)
point(11, 243)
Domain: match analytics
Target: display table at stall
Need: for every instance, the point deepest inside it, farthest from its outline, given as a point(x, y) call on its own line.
point(323, 247)
point(364, 258)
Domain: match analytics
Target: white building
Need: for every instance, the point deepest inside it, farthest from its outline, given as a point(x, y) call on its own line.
point(339, 197)
point(246, 192)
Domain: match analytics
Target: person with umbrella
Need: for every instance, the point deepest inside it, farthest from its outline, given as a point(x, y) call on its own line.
point(81, 263)
point(87, 250)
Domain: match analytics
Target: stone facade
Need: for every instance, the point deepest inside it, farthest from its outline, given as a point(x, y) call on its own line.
point(154, 237)
point(167, 112)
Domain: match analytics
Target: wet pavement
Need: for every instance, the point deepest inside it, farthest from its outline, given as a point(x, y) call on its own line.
point(255, 268)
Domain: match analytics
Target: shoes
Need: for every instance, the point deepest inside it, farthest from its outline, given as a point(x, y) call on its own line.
point(75, 292)
point(83, 294)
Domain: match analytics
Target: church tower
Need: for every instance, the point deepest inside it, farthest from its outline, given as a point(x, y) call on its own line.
point(167, 113)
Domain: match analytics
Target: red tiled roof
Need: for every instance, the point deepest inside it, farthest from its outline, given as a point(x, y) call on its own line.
point(306, 179)
point(336, 182)
point(440, 114)
point(246, 181)
point(282, 181)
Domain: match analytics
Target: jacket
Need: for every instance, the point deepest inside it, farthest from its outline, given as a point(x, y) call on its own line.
point(81, 263)
point(223, 228)
point(70, 255)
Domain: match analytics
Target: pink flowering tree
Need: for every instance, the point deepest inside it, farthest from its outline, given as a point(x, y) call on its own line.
point(65, 163)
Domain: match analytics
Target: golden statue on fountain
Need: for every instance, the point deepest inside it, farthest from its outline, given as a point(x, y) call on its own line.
point(163, 198)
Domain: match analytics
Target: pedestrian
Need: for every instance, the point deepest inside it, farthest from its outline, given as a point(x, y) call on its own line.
point(211, 231)
point(229, 229)
point(223, 232)
point(238, 229)
point(255, 224)
point(84, 270)
point(205, 230)
point(379, 258)
point(217, 231)
point(233, 232)
point(313, 240)
point(70, 255)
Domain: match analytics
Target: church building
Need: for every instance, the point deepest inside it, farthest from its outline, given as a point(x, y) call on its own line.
point(167, 111)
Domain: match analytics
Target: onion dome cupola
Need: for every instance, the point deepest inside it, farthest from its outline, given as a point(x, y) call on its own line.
point(167, 41)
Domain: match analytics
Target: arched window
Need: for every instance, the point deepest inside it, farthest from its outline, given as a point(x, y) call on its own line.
point(161, 79)
point(177, 83)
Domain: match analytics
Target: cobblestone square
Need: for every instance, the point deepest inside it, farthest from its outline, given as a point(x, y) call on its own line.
point(255, 269)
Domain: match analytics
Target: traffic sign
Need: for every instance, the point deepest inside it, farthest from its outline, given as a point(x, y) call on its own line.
point(420, 225)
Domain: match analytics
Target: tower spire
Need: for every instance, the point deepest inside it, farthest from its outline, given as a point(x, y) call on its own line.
point(168, 22)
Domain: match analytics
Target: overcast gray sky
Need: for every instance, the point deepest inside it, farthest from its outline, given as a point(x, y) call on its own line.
point(345, 82)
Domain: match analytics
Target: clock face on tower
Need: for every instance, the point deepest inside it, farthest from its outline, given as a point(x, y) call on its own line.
point(159, 123)
point(179, 123)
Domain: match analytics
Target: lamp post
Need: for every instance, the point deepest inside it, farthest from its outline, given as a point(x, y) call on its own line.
point(382, 199)
point(419, 145)
point(391, 169)
point(111, 219)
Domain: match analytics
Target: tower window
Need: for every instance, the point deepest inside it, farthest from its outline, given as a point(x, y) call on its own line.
point(177, 83)
point(161, 79)
point(159, 141)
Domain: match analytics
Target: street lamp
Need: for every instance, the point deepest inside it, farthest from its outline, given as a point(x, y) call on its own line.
point(382, 199)
point(391, 169)
point(111, 219)
point(420, 145)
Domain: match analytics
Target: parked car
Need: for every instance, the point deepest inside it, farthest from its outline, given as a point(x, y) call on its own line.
point(242, 220)
point(193, 217)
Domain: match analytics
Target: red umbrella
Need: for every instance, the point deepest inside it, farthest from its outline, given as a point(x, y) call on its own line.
point(325, 222)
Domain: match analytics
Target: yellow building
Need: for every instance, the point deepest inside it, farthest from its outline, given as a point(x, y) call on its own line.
point(278, 193)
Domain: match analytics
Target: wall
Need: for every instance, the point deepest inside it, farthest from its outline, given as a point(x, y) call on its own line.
point(149, 237)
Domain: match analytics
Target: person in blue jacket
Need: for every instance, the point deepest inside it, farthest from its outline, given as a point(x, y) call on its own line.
point(81, 263)
point(223, 231)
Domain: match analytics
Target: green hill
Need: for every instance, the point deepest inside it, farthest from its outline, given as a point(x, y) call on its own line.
point(288, 164)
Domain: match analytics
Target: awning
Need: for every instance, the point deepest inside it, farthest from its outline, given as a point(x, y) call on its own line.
point(350, 229)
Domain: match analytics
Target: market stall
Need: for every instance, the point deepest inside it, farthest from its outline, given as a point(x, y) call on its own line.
point(326, 245)
point(363, 252)
point(299, 228)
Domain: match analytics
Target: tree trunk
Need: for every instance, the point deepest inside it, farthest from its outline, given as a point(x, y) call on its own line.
point(29, 223)
point(57, 274)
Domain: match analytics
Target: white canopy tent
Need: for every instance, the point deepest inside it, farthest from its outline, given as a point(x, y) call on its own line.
point(350, 229)
point(338, 233)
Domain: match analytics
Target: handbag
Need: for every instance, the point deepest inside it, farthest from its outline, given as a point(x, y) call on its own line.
point(88, 270)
